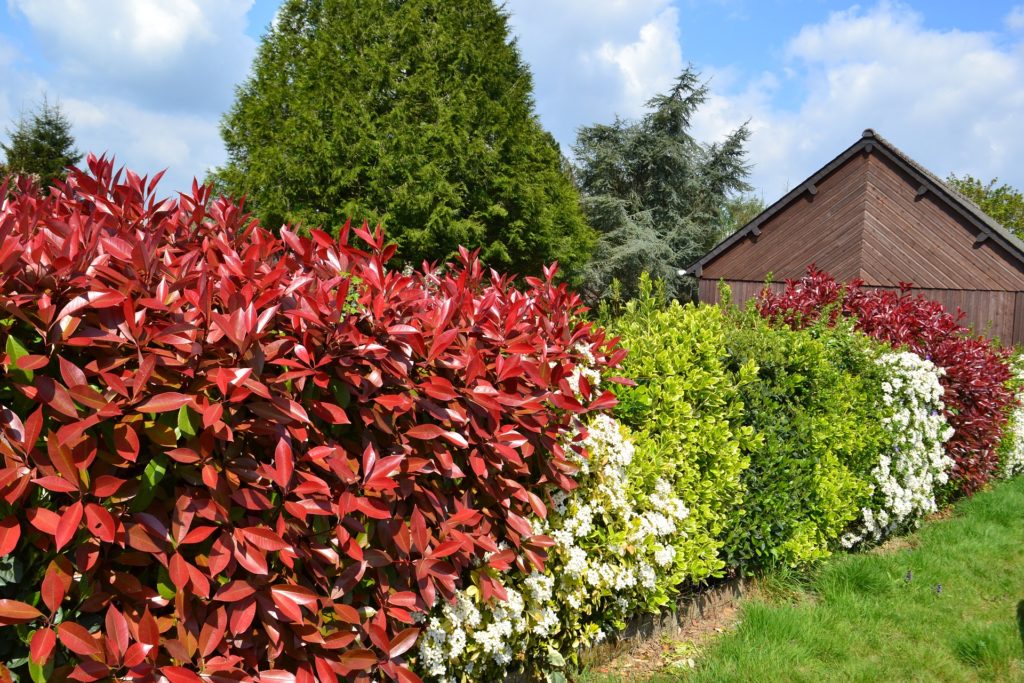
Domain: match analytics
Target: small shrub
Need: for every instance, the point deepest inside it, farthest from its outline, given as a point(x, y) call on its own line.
point(1011, 449)
point(914, 464)
point(236, 455)
point(814, 405)
point(613, 545)
point(686, 417)
point(977, 397)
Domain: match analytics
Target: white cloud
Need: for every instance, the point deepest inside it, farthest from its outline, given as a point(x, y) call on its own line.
point(144, 80)
point(951, 99)
point(1015, 19)
point(593, 60)
point(183, 55)
point(649, 64)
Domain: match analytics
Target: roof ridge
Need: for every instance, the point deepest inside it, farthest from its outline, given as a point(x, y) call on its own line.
point(869, 137)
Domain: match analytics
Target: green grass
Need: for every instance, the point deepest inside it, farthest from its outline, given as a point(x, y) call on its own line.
point(857, 618)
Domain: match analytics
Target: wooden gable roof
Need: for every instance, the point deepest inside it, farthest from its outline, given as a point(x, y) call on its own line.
point(873, 213)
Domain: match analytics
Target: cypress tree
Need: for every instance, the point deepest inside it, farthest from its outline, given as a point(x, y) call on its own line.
point(414, 113)
point(41, 144)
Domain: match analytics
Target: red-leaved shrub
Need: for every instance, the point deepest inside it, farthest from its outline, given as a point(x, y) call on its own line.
point(253, 457)
point(976, 397)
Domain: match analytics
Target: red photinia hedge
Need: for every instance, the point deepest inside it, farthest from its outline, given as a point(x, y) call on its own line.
point(254, 458)
point(977, 397)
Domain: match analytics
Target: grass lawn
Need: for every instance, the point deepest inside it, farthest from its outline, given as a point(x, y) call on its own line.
point(881, 615)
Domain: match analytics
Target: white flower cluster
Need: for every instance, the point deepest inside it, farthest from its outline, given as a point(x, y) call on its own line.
point(610, 547)
point(1012, 449)
point(586, 369)
point(905, 479)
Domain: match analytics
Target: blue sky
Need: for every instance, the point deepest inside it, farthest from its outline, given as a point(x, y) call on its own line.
point(148, 80)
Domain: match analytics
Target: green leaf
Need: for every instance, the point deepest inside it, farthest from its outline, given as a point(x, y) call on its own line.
point(16, 351)
point(164, 586)
point(151, 476)
point(41, 674)
point(185, 425)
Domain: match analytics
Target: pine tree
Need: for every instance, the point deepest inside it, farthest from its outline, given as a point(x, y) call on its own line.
point(658, 198)
point(415, 113)
point(41, 144)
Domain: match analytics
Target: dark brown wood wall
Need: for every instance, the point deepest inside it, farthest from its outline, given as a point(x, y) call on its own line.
point(992, 313)
point(868, 219)
point(824, 228)
point(920, 239)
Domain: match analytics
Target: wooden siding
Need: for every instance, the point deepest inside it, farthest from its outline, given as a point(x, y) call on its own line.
point(994, 314)
point(920, 239)
point(1018, 319)
point(823, 228)
point(741, 291)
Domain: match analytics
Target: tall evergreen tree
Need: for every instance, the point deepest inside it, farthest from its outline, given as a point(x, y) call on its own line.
point(658, 198)
point(416, 113)
point(41, 144)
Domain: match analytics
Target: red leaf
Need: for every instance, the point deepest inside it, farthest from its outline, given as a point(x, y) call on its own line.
point(56, 484)
point(77, 639)
point(55, 395)
point(428, 432)
point(178, 674)
point(162, 403)
point(14, 612)
point(106, 486)
point(10, 532)
point(117, 631)
point(149, 630)
point(298, 594)
point(100, 523)
point(264, 538)
point(56, 583)
point(358, 660)
point(126, 441)
point(44, 520)
point(234, 591)
point(68, 526)
point(42, 644)
point(287, 607)
point(178, 570)
point(406, 676)
point(403, 642)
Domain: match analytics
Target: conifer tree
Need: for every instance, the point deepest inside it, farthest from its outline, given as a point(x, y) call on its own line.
point(658, 198)
point(415, 113)
point(41, 144)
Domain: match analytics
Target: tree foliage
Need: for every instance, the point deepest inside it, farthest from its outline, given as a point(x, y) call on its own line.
point(415, 113)
point(1002, 202)
point(657, 197)
point(41, 144)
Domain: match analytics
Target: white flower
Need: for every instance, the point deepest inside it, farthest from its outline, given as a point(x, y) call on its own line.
point(906, 478)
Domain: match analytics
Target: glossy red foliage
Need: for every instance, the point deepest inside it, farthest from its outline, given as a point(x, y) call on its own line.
point(260, 456)
point(977, 396)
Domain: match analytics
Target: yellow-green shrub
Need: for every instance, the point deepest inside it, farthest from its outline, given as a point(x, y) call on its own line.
point(686, 419)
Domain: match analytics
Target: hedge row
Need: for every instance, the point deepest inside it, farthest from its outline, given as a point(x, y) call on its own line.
point(227, 452)
point(236, 456)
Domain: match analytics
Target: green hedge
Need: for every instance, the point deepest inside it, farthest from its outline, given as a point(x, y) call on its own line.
point(814, 406)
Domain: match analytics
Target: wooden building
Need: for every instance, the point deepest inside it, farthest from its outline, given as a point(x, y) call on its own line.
point(875, 214)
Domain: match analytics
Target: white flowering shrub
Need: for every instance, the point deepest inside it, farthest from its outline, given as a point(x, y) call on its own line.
point(907, 476)
point(614, 544)
point(1011, 450)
